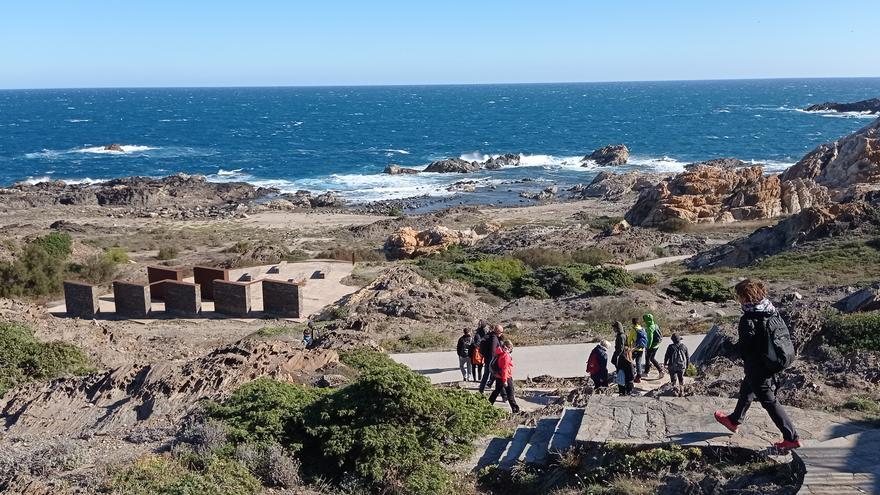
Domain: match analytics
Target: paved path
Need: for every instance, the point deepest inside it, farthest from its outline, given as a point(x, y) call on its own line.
point(644, 265)
point(560, 361)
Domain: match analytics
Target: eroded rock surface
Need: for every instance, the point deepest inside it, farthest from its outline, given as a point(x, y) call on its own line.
point(611, 155)
point(408, 242)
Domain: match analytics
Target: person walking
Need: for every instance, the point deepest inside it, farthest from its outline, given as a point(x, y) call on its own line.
point(476, 357)
point(766, 349)
point(463, 349)
point(597, 365)
point(503, 371)
point(489, 350)
point(625, 372)
point(619, 342)
point(655, 336)
point(638, 341)
point(676, 361)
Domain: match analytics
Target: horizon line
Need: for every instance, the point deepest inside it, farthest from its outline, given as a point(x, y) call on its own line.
point(388, 85)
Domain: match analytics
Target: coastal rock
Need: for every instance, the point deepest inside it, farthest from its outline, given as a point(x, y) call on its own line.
point(850, 162)
point(867, 299)
point(408, 242)
point(864, 106)
point(546, 194)
point(465, 186)
point(326, 200)
point(114, 147)
point(505, 160)
point(453, 165)
point(613, 187)
point(613, 154)
point(398, 170)
point(798, 194)
point(810, 224)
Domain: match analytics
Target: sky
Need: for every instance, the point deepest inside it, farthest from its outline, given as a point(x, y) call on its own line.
point(91, 43)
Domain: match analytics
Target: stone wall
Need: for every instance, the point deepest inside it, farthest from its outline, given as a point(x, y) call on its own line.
point(182, 298)
point(232, 298)
point(81, 299)
point(132, 300)
point(283, 298)
point(204, 276)
point(156, 274)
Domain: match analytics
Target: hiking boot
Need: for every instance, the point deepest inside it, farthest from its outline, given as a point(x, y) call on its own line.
point(725, 421)
point(786, 445)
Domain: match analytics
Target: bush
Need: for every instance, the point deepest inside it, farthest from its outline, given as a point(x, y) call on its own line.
point(390, 428)
point(606, 280)
point(691, 371)
point(56, 244)
point(295, 255)
point(116, 255)
point(167, 253)
point(591, 256)
point(34, 272)
point(672, 457)
point(528, 286)
point(270, 463)
point(862, 404)
point(96, 269)
point(854, 331)
point(23, 358)
point(418, 341)
point(646, 279)
point(701, 288)
point(163, 475)
point(538, 257)
point(559, 281)
point(674, 225)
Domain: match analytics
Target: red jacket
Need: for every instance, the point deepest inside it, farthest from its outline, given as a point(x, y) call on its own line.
point(505, 363)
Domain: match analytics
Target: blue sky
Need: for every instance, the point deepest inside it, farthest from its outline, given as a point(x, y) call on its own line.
point(89, 43)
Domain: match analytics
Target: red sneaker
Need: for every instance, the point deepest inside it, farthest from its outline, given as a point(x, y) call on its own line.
point(786, 445)
point(725, 421)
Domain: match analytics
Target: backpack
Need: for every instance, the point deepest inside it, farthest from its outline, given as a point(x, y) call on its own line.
point(657, 337)
point(678, 360)
point(778, 352)
point(593, 362)
point(496, 366)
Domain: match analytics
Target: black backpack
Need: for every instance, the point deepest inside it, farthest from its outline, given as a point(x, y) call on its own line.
point(779, 351)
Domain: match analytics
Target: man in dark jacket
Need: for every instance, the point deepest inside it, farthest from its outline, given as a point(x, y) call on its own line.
point(477, 358)
point(489, 350)
point(759, 382)
point(597, 365)
point(676, 361)
point(619, 342)
point(463, 349)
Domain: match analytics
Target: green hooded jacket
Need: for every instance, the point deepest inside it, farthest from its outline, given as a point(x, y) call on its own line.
point(651, 328)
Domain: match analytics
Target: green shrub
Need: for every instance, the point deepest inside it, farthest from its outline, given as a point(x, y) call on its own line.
point(559, 281)
point(418, 341)
point(96, 269)
point(56, 244)
point(116, 255)
point(691, 371)
point(606, 280)
point(646, 279)
point(167, 253)
point(390, 428)
point(528, 286)
point(604, 222)
point(538, 257)
point(295, 255)
point(674, 225)
point(591, 256)
point(854, 331)
point(862, 404)
point(23, 358)
point(701, 288)
point(163, 475)
point(34, 272)
point(672, 457)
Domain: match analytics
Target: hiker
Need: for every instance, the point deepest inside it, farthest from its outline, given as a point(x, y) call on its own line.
point(476, 357)
point(597, 364)
point(308, 335)
point(619, 342)
point(655, 336)
point(766, 349)
point(638, 340)
point(489, 349)
point(676, 361)
point(625, 372)
point(502, 368)
point(463, 348)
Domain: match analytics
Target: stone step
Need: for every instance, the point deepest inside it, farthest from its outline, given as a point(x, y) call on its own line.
point(537, 450)
point(515, 446)
point(492, 452)
point(566, 431)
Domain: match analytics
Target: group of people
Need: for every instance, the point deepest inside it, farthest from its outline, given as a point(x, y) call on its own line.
point(486, 357)
point(629, 350)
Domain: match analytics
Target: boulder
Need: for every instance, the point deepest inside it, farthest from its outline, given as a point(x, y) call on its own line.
point(408, 242)
point(398, 170)
point(546, 194)
point(613, 187)
point(114, 147)
point(613, 154)
point(505, 160)
point(867, 299)
point(715, 343)
point(453, 165)
point(462, 186)
point(618, 228)
point(841, 165)
point(864, 106)
point(326, 200)
point(488, 227)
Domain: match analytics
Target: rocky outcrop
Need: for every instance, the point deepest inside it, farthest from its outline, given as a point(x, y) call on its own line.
point(846, 165)
point(326, 200)
point(813, 223)
point(114, 147)
point(864, 106)
point(408, 242)
point(546, 194)
point(398, 170)
point(613, 187)
point(606, 156)
point(505, 160)
point(453, 165)
point(867, 299)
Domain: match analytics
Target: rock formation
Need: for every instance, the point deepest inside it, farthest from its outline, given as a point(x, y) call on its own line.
point(326, 200)
point(114, 147)
point(453, 165)
point(546, 194)
point(408, 242)
point(848, 166)
point(613, 187)
point(613, 154)
point(867, 299)
point(398, 170)
point(863, 106)
point(505, 160)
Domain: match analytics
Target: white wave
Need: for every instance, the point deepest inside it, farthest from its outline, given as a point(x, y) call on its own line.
point(76, 121)
point(228, 173)
point(36, 180)
point(392, 150)
point(837, 115)
point(46, 178)
point(474, 156)
point(126, 148)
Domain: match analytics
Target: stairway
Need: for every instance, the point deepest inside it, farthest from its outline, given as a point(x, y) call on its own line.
point(839, 457)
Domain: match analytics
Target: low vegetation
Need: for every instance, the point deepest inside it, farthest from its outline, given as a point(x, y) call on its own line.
point(857, 331)
point(527, 273)
point(167, 253)
point(178, 475)
point(700, 288)
point(417, 341)
point(23, 358)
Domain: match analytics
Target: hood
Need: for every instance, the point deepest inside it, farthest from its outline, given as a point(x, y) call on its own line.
point(649, 320)
point(618, 327)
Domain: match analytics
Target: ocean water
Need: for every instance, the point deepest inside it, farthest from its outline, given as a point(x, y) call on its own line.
point(341, 138)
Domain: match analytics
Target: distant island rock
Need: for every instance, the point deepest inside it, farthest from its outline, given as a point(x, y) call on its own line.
point(864, 106)
point(611, 155)
point(114, 147)
point(398, 170)
point(453, 165)
point(505, 160)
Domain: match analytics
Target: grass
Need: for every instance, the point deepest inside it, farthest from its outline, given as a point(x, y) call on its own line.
point(857, 331)
point(418, 341)
point(23, 358)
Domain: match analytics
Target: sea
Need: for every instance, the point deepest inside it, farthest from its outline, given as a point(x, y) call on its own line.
point(341, 138)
